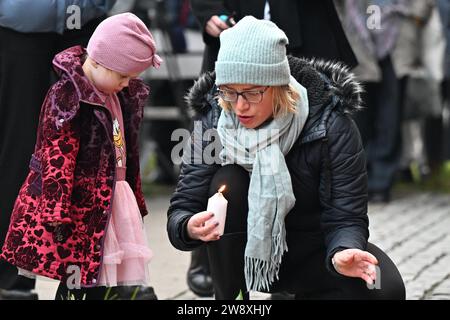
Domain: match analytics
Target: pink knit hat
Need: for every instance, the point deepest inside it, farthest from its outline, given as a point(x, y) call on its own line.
point(123, 43)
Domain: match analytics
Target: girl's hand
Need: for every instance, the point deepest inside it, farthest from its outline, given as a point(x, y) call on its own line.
point(198, 231)
point(356, 263)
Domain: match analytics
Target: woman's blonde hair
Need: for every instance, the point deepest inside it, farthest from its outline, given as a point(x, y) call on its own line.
point(284, 99)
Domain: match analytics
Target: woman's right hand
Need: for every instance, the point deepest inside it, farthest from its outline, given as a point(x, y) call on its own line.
point(197, 229)
point(215, 26)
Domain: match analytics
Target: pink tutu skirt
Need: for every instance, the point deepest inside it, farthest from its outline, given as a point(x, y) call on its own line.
point(126, 253)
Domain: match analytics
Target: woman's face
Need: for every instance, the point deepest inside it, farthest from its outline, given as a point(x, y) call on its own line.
point(251, 115)
point(109, 81)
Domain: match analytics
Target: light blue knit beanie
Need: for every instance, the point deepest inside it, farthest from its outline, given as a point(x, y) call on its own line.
point(253, 52)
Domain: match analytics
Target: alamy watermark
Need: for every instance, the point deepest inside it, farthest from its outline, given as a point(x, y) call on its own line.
point(374, 20)
point(74, 280)
point(377, 283)
point(205, 147)
point(73, 21)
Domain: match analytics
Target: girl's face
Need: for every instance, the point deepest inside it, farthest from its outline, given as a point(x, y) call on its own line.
point(250, 114)
point(106, 80)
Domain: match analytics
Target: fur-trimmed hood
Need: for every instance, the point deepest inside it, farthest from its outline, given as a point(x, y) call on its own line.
point(322, 79)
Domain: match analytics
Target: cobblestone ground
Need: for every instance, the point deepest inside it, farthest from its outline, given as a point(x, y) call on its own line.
point(415, 232)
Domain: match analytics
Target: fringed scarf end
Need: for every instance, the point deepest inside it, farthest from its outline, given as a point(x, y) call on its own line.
point(260, 274)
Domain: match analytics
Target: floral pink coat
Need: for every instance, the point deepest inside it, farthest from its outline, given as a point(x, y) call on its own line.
point(72, 177)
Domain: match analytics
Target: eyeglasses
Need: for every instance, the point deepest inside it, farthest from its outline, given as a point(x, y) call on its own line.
point(251, 96)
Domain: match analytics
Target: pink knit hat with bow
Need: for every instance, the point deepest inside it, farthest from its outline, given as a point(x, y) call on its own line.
point(123, 43)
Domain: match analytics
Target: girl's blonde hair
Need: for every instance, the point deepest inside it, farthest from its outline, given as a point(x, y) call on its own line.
point(284, 100)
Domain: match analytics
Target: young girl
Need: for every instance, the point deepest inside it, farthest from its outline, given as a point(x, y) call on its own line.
point(78, 215)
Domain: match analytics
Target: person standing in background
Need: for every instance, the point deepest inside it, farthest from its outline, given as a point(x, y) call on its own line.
point(379, 122)
point(444, 9)
point(443, 130)
point(418, 59)
point(313, 29)
point(31, 33)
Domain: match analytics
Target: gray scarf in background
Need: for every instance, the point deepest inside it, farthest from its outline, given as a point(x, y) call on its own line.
point(270, 196)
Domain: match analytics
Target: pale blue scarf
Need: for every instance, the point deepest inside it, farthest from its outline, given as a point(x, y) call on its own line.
point(270, 197)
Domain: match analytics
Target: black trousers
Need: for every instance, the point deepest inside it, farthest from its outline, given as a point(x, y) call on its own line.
point(379, 125)
point(446, 135)
point(437, 134)
point(25, 76)
point(305, 277)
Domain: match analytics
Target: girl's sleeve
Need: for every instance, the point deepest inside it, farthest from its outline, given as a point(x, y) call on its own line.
point(60, 142)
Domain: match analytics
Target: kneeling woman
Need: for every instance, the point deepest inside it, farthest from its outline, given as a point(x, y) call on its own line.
point(295, 173)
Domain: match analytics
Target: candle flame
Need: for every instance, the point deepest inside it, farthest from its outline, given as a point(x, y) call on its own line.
point(222, 188)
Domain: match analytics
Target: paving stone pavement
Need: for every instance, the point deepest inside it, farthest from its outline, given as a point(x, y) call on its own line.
point(414, 230)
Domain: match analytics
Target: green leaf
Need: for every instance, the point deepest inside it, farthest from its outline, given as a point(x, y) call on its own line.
point(108, 291)
point(240, 296)
point(135, 292)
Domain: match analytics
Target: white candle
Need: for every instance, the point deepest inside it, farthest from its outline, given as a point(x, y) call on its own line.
point(217, 204)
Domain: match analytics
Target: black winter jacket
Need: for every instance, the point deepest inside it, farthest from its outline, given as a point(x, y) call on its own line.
point(327, 166)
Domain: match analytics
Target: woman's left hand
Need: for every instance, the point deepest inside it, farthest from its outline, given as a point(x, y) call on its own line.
point(357, 264)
